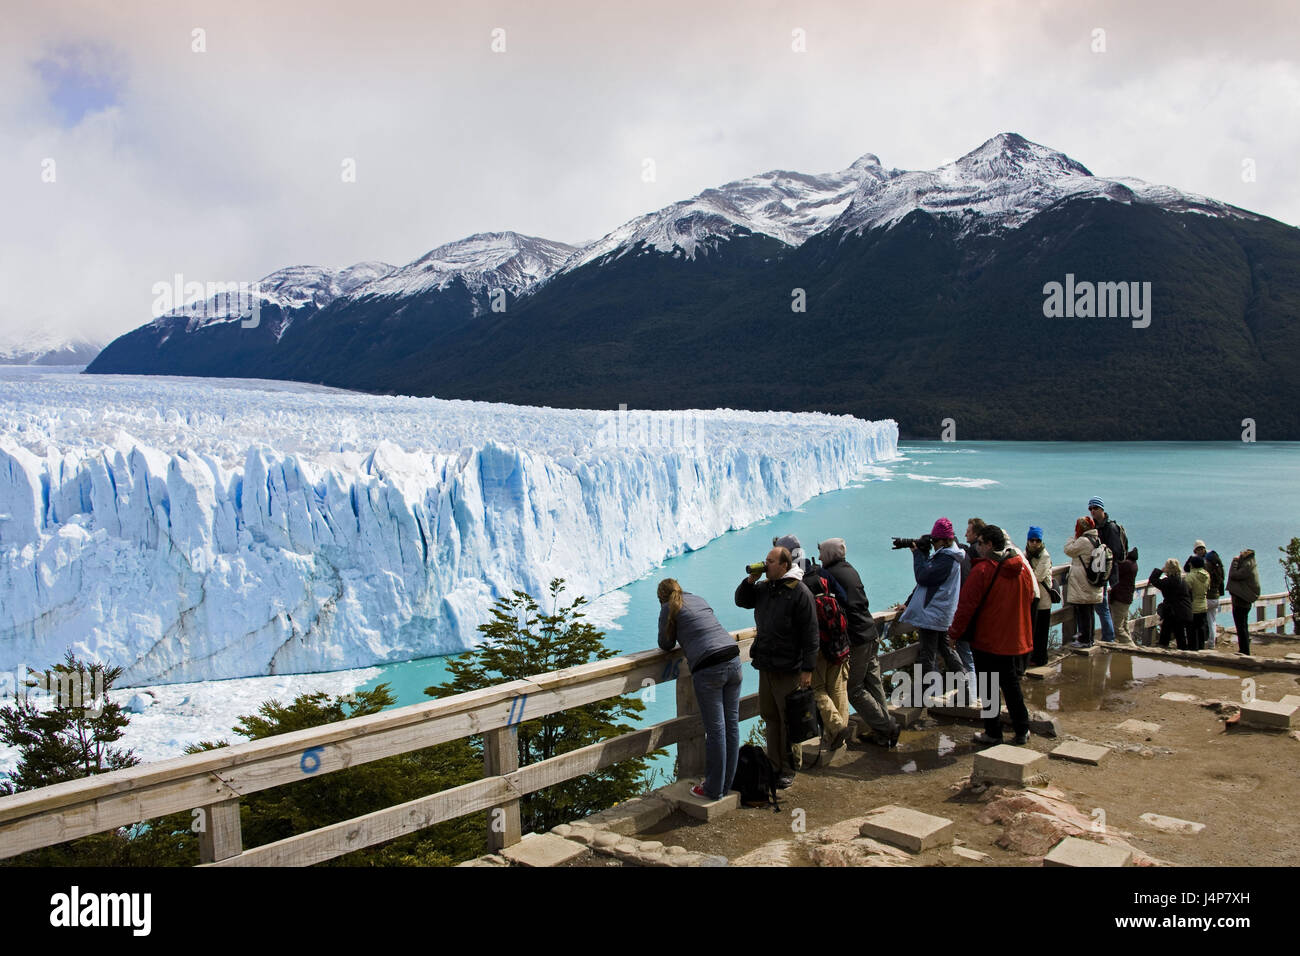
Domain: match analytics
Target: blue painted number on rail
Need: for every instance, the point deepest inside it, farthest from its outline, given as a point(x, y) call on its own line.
point(516, 710)
point(310, 762)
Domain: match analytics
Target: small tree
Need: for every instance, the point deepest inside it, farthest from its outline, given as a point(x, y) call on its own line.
point(521, 641)
point(73, 739)
point(1290, 562)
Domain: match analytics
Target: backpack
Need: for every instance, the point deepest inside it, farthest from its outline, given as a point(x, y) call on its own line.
point(1097, 567)
point(1214, 565)
point(832, 627)
point(755, 779)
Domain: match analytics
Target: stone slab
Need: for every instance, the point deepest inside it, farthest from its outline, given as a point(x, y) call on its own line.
point(699, 808)
point(1143, 727)
point(1008, 764)
point(1171, 824)
point(1291, 699)
point(1293, 657)
point(543, 849)
point(955, 712)
point(1272, 714)
point(911, 830)
point(1075, 852)
point(906, 716)
point(813, 755)
point(1079, 752)
point(1180, 697)
point(1040, 673)
point(968, 854)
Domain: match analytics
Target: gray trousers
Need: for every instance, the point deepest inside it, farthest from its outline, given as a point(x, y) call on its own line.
point(866, 692)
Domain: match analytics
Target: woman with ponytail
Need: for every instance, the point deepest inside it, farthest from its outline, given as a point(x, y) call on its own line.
point(714, 659)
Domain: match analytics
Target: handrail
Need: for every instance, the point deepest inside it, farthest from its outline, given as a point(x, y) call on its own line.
point(215, 780)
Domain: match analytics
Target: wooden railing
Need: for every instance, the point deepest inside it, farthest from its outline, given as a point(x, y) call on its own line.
point(210, 785)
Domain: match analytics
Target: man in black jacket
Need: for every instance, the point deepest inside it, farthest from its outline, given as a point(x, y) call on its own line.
point(784, 651)
point(1112, 536)
point(866, 691)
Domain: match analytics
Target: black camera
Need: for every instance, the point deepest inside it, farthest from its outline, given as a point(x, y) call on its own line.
point(923, 543)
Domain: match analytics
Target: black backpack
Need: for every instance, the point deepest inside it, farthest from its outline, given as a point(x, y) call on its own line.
point(755, 779)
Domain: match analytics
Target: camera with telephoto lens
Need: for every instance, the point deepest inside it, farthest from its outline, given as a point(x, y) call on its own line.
point(758, 567)
point(923, 543)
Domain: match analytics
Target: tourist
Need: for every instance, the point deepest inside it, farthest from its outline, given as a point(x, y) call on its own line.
point(805, 565)
point(1198, 582)
point(866, 690)
point(1243, 585)
point(785, 648)
point(1040, 562)
point(996, 596)
point(1176, 610)
point(830, 683)
point(1214, 566)
point(934, 602)
point(1121, 596)
point(713, 657)
point(1113, 536)
point(1081, 593)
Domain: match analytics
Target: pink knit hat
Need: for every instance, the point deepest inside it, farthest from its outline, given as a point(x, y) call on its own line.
point(942, 529)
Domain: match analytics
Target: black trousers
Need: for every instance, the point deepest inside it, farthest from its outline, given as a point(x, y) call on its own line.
point(1042, 624)
point(1199, 633)
point(1241, 618)
point(1177, 630)
point(1083, 623)
point(1003, 669)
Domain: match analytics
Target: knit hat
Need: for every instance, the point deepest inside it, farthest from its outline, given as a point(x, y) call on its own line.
point(1096, 503)
point(942, 529)
point(1035, 533)
point(791, 544)
point(1199, 544)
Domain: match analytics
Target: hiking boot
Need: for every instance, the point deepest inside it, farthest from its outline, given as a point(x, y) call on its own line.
point(984, 740)
point(785, 781)
point(895, 729)
point(1022, 739)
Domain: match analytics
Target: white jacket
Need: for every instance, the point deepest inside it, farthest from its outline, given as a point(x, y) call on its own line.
point(1078, 589)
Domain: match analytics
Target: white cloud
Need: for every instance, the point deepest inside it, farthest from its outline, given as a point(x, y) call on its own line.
point(226, 164)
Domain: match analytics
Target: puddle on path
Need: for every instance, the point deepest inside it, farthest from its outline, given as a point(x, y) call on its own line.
point(1085, 682)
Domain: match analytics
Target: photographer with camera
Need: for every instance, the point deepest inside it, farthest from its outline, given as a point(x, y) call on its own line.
point(785, 647)
point(932, 605)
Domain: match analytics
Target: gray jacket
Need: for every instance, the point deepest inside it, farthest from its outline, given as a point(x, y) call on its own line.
point(698, 630)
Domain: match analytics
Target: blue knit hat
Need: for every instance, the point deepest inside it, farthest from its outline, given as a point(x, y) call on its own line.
point(1095, 503)
point(1035, 533)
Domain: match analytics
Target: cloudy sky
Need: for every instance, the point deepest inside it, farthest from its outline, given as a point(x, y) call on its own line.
point(220, 154)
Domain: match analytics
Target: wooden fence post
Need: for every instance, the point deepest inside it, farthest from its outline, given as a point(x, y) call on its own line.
point(219, 838)
point(1281, 617)
point(692, 756)
point(500, 757)
point(1148, 609)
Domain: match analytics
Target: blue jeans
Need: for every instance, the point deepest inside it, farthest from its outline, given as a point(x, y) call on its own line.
point(968, 661)
point(1103, 612)
point(717, 690)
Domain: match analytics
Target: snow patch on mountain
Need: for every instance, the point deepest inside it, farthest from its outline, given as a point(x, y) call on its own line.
point(484, 262)
point(189, 531)
point(788, 206)
point(1004, 183)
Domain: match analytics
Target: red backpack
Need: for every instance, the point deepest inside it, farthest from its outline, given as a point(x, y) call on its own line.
point(833, 628)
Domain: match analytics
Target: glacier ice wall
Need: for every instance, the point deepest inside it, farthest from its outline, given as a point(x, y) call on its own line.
point(198, 530)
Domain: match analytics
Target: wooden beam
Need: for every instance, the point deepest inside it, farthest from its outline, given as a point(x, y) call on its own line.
point(220, 839)
point(501, 757)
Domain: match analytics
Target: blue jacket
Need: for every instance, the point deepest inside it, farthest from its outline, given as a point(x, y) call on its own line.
point(938, 586)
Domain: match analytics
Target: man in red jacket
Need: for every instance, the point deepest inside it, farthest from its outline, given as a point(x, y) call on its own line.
point(999, 589)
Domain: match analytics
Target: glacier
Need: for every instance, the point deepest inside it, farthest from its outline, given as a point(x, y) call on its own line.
point(201, 529)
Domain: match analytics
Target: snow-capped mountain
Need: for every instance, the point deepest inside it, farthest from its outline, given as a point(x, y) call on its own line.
point(1002, 184)
point(291, 289)
point(785, 205)
point(47, 348)
point(483, 262)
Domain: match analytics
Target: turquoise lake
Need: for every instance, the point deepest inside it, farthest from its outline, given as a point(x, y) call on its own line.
point(1166, 494)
